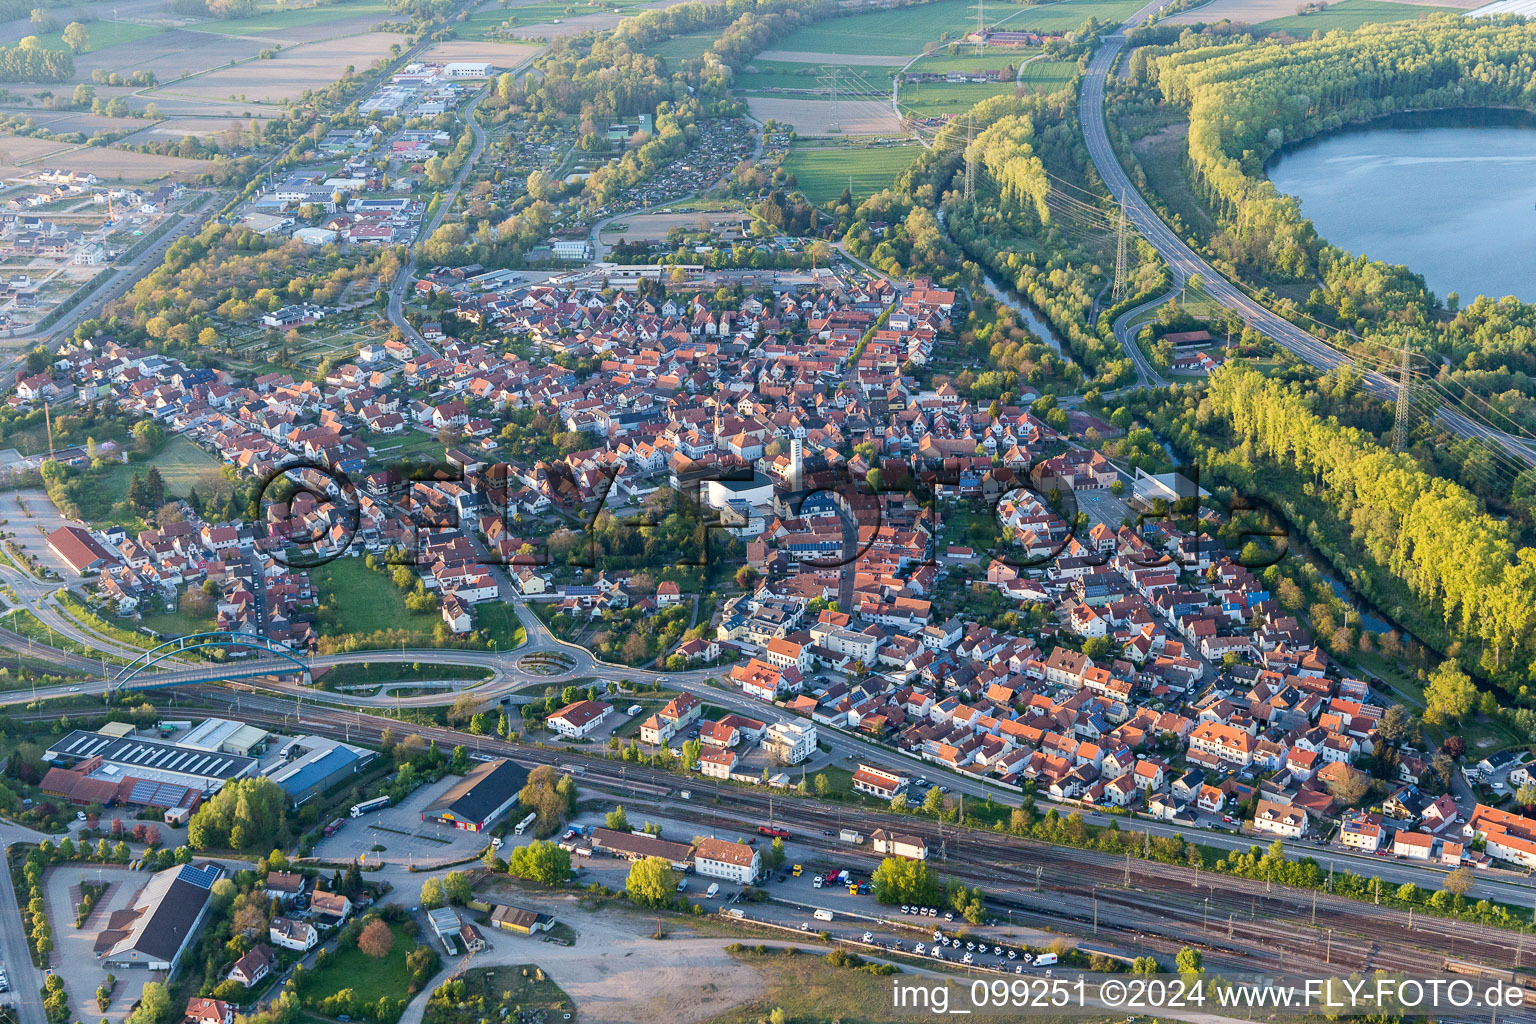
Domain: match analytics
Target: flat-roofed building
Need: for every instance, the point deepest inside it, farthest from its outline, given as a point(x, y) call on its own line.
point(149, 760)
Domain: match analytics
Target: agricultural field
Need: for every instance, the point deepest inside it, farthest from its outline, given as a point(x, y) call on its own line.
point(948, 99)
point(281, 23)
point(288, 74)
point(19, 155)
point(175, 54)
point(547, 18)
point(814, 116)
point(1064, 16)
point(1281, 14)
point(1047, 75)
point(823, 171)
point(493, 52)
point(902, 31)
point(768, 76)
point(1349, 15)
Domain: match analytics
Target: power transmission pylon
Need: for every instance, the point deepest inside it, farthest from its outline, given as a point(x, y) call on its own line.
point(829, 81)
point(970, 160)
point(1120, 246)
point(1404, 399)
point(981, 27)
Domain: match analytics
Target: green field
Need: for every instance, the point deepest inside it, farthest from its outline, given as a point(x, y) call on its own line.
point(1067, 15)
point(367, 977)
point(691, 45)
point(104, 34)
point(483, 23)
point(901, 30)
point(905, 30)
point(270, 19)
point(177, 623)
point(367, 601)
point(934, 100)
point(823, 171)
point(764, 75)
point(182, 464)
point(1048, 75)
point(1349, 15)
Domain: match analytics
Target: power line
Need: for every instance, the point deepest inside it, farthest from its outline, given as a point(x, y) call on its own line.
point(970, 159)
point(1120, 247)
point(1404, 397)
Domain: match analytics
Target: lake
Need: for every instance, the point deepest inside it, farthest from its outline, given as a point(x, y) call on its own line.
point(1449, 193)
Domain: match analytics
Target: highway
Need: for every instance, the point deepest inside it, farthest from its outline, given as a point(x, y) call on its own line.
point(1183, 262)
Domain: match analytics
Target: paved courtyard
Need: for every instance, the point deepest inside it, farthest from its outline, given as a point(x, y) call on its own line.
point(407, 840)
point(74, 954)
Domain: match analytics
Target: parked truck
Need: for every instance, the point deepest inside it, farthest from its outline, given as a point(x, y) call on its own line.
point(333, 827)
point(1045, 959)
point(360, 809)
point(848, 835)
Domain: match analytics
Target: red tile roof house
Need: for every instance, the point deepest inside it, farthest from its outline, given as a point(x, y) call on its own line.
point(79, 550)
point(209, 1011)
point(578, 720)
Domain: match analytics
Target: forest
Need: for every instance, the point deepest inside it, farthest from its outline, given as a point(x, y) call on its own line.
point(1247, 99)
point(1032, 227)
point(1419, 546)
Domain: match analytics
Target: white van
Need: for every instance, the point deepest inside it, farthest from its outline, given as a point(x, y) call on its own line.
point(712, 891)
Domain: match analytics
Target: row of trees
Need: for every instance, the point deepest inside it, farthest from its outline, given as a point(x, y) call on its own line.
point(30, 62)
point(1423, 532)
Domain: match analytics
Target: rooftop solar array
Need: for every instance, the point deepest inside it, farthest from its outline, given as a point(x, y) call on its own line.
point(150, 793)
point(201, 876)
point(133, 752)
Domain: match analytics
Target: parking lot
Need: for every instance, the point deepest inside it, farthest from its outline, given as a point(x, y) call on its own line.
point(1102, 507)
point(405, 838)
point(75, 946)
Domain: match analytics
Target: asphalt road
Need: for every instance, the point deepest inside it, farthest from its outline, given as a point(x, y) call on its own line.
point(510, 677)
point(1184, 262)
point(407, 273)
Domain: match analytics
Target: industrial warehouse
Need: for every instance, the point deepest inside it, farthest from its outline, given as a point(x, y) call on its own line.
point(479, 798)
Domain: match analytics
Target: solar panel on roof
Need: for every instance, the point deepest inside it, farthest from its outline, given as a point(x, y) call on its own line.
point(203, 877)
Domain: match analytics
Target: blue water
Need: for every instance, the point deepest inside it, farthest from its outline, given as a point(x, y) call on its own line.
point(1451, 194)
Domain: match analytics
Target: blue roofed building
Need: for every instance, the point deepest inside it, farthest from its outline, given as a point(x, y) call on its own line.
point(313, 764)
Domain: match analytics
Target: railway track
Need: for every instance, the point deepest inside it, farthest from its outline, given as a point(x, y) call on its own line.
point(1164, 908)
